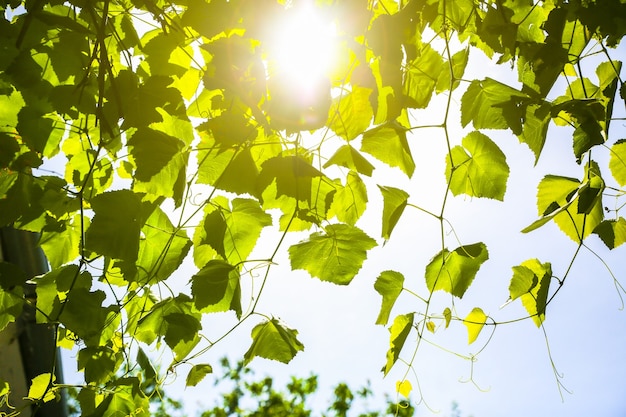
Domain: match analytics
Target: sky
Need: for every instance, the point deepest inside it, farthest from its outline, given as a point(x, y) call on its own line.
point(518, 369)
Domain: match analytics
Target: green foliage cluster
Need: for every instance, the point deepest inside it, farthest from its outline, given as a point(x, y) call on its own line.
point(178, 141)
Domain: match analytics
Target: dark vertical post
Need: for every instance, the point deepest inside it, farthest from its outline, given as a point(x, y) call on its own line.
point(37, 341)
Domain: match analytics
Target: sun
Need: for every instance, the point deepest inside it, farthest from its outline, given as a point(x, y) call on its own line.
point(303, 46)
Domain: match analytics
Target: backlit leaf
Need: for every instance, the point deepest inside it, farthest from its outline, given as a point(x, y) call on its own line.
point(454, 271)
point(335, 255)
point(394, 203)
point(474, 322)
point(399, 331)
point(478, 168)
point(489, 104)
point(531, 282)
point(11, 304)
point(404, 388)
point(447, 315)
point(273, 340)
point(351, 114)
point(115, 227)
point(197, 374)
point(216, 288)
point(389, 284)
point(388, 144)
point(612, 232)
point(42, 388)
point(348, 157)
point(350, 201)
point(617, 163)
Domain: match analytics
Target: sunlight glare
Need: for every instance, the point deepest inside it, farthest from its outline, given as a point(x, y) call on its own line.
point(303, 47)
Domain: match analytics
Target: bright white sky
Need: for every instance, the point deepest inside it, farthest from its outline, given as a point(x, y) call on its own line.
point(585, 327)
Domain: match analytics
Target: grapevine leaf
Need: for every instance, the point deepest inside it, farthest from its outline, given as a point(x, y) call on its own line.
point(11, 304)
point(98, 363)
point(404, 388)
point(612, 232)
point(335, 255)
point(351, 114)
point(389, 284)
point(454, 271)
point(42, 388)
point(350, 201)
point(489, 104)
point(394, 203)
point(293, 176)
point(244, 222)
point(617, 163)
point(399, 331)
point(388, 144)
point(530, 282)
point(535, 128)
point(116, 224)
point(478, 168)
point(275, 341)
point(447, 314)
point(152, 150)
point(197, 374)
point(576, 208)
point(348, 157)
point(422, 76)
point(474, 322)
point(162, 248)
point(216, 288)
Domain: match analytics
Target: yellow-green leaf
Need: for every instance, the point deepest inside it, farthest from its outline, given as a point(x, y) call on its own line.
point(474, 322)
point(404, 388)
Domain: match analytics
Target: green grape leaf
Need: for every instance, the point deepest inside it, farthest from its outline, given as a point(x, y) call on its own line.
point(349, 202)
point(347, 156)
point(216, 288)
point(617, 162)
point(152, 150)
point(612, 232)
point(244, 223)
point(351, 114)
point(275, 341)
point(422, 76)
point(389, 284)
point(174, 320)
point(447, 315)
point(531, 282)
point(457, 65)
point(587, 117)
point(99, 363)
point(293, 175)
point(394, 203)
point(454, 271)
point(197, 374)
point(478, 168)
point(143, 361)
point(535, 129)
point(474, 322)
point(42, 388)
point(61, 242)
point(489, 104)
point(388, 144)
point(576, 208)
point(161, 249)
point(335, 255)
point(11, 305)
point(116, 225)
point(399, 331)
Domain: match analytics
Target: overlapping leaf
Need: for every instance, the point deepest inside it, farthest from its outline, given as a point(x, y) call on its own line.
point(273, 340)
point(454, 271)
point(478, 168)
point(335, 255)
